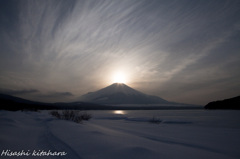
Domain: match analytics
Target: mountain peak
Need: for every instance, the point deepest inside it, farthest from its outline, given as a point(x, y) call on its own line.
point(116, 88)
point(120, 93)
point(118, 84)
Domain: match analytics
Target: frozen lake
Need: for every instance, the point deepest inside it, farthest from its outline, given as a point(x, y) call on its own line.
point(208, 118)
point(181, 134)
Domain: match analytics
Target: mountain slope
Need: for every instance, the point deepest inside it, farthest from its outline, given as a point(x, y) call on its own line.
point(8, 102)
point(5, 97)
point(119, 93)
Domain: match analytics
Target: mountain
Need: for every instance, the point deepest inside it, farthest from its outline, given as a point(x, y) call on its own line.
point(5, 97)
point(119, 93)
point(113, 97)
point(231, 103)
point(8, 102)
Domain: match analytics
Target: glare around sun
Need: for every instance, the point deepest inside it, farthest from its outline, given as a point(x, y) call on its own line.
point(119, 77)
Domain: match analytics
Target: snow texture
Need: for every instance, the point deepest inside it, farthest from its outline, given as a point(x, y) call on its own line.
point(184, 134)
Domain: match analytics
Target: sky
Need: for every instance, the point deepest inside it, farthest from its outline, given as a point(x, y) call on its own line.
point(184, 51)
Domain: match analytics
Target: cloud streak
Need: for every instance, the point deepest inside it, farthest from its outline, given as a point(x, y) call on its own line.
point(77, 45)
point(57, 95)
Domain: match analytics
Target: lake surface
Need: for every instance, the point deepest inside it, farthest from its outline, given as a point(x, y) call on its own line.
point(209, 118)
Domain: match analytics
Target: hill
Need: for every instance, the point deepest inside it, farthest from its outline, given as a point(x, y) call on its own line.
point(120, 94)
point(8, 102)
point(231, 103)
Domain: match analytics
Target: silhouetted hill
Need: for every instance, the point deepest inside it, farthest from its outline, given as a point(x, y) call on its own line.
point(8, 102)
point(119, 93)
point(232, 103)
point(115, 96)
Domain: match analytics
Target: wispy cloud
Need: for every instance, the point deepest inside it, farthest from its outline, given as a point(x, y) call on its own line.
point(55, 94)
point(77, 45)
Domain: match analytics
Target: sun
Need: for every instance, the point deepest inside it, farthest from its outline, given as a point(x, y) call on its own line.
point(119, 112)
point(119, 77)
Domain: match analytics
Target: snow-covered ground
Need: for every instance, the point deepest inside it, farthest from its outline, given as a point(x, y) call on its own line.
point(182, 134)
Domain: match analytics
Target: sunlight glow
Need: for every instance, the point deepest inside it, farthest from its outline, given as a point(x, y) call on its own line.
point(119, 77)
point(119, 112)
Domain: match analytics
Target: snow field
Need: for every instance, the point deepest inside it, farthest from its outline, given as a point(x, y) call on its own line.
point(181, 134)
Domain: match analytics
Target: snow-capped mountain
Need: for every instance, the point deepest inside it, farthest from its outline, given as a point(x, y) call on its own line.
point(119, 93)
